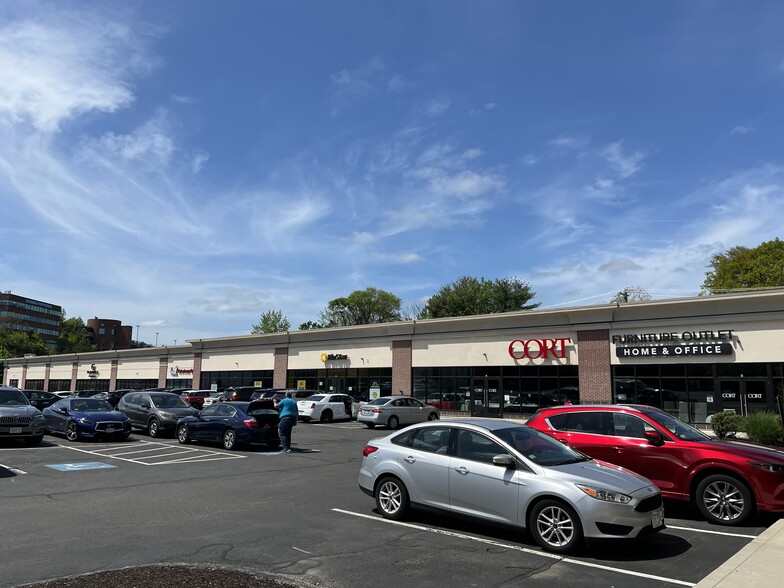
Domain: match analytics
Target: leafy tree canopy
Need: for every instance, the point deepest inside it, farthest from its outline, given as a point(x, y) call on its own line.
point(741, 268)
point(74, 337)
point(310, 325)
point(271, 321)
point(631, 294)
point(20, 343)
point(361, 307)
point(470, 296)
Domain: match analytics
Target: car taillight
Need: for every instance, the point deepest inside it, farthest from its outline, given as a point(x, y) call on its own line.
point(313, 405)
point(378, 410)
point(368, 450)
point(250, 423)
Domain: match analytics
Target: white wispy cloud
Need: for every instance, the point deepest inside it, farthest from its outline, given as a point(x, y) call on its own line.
point(624, 163)
point(349, 85)
point(437, 106)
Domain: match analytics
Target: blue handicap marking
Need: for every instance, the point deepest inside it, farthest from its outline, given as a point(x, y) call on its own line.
point(84, 465)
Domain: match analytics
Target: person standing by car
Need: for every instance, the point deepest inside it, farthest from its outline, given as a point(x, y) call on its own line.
point(288, 418)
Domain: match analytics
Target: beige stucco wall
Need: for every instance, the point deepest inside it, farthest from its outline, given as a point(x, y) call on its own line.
point(367, 354)
point(491, 349)
point(217, 360)
point(142, 369)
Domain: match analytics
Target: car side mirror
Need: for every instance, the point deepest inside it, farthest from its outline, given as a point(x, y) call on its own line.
point(654, 438)
point(504, 460)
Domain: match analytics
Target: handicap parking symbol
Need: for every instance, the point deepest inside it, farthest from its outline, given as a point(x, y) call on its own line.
point(84, 465)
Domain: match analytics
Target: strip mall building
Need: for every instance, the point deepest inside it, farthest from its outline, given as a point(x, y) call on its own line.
point(691, 356)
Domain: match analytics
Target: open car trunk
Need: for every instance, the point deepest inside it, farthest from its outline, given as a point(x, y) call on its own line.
point(263, 410)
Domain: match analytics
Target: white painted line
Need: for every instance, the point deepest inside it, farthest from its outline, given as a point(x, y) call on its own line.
point(196, 455)
point(517, 548)
point(13, 470)
point(713, 532)
point(301, 550)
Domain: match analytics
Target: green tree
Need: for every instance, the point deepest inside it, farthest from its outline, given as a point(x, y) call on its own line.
point(74, 337)
point(471, 296)
point(362, 307)
point(310, 325)
point(272, 321)
point(20, 343)
point(741, 268)
point(631, 294)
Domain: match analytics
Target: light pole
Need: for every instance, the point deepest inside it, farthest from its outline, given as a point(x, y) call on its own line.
point(156, 339)
point(137, 336)
point(175, 341)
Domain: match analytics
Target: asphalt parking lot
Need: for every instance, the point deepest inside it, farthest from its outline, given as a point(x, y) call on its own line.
point(76, 507)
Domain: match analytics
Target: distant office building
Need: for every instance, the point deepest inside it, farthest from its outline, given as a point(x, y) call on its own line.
point(108, 334)
point(18, 313)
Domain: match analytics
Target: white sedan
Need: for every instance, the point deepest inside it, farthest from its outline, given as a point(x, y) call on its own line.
point(327, 407)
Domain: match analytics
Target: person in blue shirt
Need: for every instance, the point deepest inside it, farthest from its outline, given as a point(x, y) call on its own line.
point(288, 418)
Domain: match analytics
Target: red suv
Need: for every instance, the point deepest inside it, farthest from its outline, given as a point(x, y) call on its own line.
point(727, 480)
point(195, 397)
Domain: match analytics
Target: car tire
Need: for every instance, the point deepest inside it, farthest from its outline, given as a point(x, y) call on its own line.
point(326, 416)
point(229, 439)
point(393, 422)
point(71, 431)
point(33, 441)
point(370, 425)
point(725, 500)
point(153, 428)
point(182, 434)
point(555, 526)
point(392, 498)
point(432, 417)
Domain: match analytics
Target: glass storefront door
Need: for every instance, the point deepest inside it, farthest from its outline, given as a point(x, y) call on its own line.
point(486, 398)
point(744, 395)
point(336, 385)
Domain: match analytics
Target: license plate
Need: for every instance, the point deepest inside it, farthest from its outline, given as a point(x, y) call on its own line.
point(15, 430)
point(657, 519)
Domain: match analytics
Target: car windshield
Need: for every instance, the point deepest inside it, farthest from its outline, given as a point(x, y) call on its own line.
point(676, 426)
point(168, 401)
point(12, 398)
point(539, 447)
point(91, 405)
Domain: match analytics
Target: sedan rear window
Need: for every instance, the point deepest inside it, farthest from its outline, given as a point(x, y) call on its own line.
point(317, 397)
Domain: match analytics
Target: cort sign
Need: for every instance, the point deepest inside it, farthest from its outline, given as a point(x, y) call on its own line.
point(539, 348)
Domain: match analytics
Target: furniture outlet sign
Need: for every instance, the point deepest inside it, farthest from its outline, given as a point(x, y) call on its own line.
point(674, 344)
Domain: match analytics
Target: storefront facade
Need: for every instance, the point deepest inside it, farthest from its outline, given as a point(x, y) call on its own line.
point(692, 357)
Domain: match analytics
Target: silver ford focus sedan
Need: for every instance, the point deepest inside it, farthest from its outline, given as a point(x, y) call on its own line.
point(504, 472)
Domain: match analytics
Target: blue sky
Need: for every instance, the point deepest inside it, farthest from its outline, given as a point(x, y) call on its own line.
point(185, 166)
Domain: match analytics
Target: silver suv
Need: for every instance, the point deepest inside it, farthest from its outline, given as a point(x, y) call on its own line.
point(18, 418)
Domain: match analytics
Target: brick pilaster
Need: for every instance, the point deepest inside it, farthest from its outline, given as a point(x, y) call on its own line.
point(594, 370)
point(401, 367)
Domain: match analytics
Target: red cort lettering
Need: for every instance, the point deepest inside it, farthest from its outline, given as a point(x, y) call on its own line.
point(539, 348)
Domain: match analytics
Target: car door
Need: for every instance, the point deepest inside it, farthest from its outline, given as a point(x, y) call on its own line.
point(477, 486)
point(131, 408)
point(426, 460)
point(221, 421)
point(587, 431)
point(55, 416)
point(415, 411)
point(198, 429)
point(666, 465)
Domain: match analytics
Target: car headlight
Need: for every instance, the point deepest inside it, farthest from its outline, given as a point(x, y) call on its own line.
point(86, 421)
point(777, 468)
point(606, 495)
point(169, 415)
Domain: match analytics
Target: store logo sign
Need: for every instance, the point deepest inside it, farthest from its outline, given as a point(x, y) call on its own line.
point(539, 348)
point(325, 357)
point(92, 372)
point(176, 372)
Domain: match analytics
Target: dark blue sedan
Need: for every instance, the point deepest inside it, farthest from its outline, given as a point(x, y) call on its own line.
point(232, 424)
point(86, 418)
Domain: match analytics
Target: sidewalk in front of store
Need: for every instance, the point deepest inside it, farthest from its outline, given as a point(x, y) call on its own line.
point(758, 565)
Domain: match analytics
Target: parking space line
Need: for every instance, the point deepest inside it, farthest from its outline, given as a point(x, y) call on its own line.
point(13, 470)
point(713, 532)
point(516, 548)
point(164, 454)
